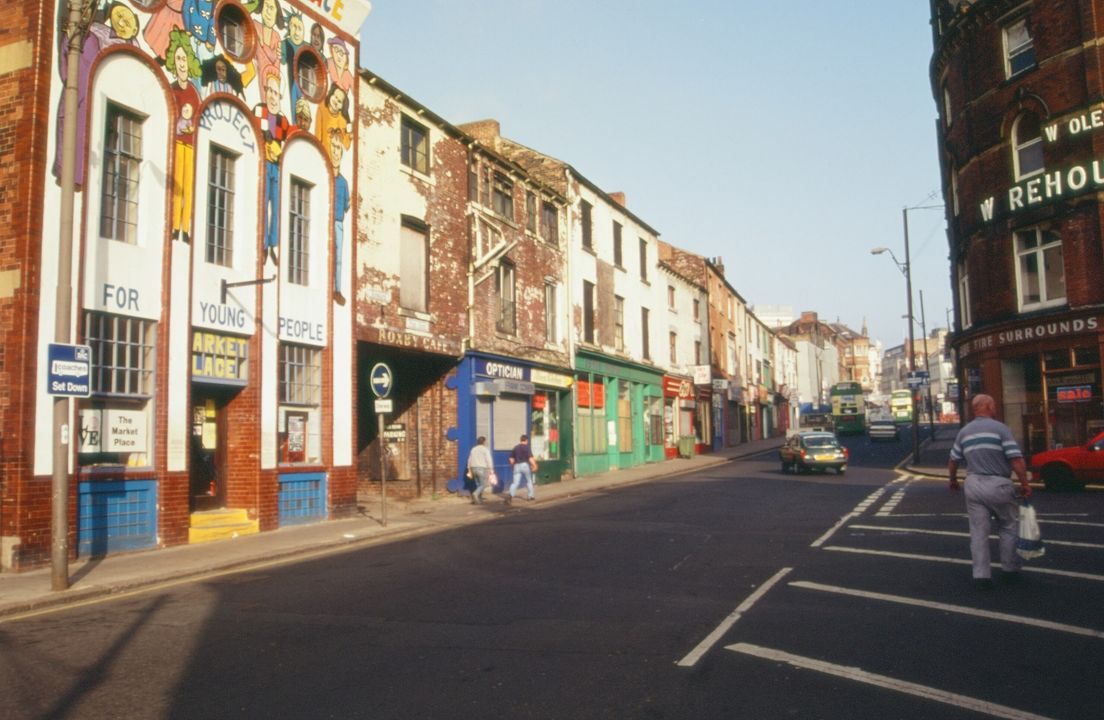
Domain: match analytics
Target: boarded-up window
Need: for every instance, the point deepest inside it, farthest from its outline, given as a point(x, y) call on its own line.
point(413, 250)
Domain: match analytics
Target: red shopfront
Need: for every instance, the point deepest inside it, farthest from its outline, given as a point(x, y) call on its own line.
point(679, 411)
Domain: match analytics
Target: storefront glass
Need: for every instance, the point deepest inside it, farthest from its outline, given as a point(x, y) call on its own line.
point(545, 425)
point(624, 417)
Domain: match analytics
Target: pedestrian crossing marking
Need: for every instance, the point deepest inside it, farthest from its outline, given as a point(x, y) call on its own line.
point(885, 682)
point(946, 607)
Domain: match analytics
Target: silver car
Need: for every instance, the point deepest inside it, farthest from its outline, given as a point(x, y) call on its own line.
point(883, 430)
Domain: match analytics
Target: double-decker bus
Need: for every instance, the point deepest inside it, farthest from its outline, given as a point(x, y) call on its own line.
point(848, 408)
point(900, 406)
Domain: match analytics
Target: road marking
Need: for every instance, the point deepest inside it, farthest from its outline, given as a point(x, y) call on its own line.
point(714, 637)
point(892, 503)
point(951, 533)
point(842, 521)
point(957, 561)
point(886, 682)
point(960, 609)
point(1069, 522)
point(859, 510)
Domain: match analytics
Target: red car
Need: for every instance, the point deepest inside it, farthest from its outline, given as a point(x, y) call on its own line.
point(1072, 466)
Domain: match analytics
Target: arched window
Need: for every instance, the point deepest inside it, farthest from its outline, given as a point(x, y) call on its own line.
point(1027, 144)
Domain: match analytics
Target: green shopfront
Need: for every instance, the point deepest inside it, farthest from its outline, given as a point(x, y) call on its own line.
point(618, 414)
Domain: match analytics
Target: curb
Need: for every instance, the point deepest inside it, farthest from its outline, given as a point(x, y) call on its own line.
point(263, 558)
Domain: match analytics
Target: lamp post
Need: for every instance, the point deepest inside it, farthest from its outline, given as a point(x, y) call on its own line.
point(906, 270)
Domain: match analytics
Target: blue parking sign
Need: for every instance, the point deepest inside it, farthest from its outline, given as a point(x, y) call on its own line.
point(69, 370)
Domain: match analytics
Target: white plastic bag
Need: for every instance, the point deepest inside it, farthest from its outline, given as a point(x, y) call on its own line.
point(1030, 543)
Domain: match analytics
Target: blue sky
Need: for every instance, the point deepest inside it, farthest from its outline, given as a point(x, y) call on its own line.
point(784, 137)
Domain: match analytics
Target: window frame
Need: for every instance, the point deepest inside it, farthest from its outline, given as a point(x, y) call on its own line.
point(619, 323)
point(506, 293)
point(124, 358)
point(589, 329)
point(586, 219)
point(299, 230)
point(406, 302)
point(300, 375)
point(1040, 254)
point(1025, 49)
point(645, 334)
point(551, 329)
point(549, 223)
point(502, 196)
point(965, 315)
point(1032, 145)
point(221, 193)
point(414, 151)
point(644, 260)
point(119, 210)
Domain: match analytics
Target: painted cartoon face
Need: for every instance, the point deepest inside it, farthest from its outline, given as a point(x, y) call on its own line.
point(337, 99)
point(340, 56)
point(318, 38)
point(220, 70)
point(272, 94)
point(124, 22)
point(180, 64)
point(187, 111)
point(295, 30)
point(268, 13)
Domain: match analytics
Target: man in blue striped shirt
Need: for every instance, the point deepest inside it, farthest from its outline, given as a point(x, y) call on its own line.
point(991, 456)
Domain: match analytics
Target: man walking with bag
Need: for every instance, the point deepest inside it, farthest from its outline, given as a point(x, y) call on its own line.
point(991, 456)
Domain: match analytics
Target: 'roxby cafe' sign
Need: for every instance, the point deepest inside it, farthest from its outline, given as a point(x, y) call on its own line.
point(1059, 184)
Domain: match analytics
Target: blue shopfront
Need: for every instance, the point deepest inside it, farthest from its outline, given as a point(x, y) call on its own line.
point(501, 399)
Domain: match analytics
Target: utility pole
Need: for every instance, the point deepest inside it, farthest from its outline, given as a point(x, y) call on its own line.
point(911, 343)
point(927, 367)
point(75, 28)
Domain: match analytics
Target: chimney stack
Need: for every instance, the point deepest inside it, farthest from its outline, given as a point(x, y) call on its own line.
point(618, 197)
point(485, 131)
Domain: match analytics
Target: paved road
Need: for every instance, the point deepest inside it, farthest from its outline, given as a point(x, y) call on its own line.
point(739, 592)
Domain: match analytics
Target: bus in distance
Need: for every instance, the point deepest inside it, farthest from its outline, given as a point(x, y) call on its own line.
point(900, 406)
point(848, 408)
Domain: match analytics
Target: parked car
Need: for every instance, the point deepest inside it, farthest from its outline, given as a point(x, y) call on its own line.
point(883, 430)
point(813, 451)
point(1070, 467)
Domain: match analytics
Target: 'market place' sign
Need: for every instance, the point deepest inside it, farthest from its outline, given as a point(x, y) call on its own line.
point(1053, 186)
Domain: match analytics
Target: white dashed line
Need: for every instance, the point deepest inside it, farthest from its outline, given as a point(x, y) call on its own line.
point(951, 533)
point(958, 561)
point(714, 637)
point(944, 607)
point(886, 682)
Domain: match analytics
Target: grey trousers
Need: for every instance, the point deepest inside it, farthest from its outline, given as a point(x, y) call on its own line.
point(989, 496)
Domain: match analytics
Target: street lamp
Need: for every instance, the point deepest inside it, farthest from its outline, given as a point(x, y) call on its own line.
point(906, 270)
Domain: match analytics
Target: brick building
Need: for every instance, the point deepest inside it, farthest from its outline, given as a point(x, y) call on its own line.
point(213, 160)
point(1019, 87)
point(412, 285)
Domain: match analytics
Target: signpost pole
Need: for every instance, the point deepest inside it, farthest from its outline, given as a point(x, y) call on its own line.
point(380, 424)
point(381, 380)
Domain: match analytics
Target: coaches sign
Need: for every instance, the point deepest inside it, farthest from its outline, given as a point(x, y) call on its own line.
point(69, 370)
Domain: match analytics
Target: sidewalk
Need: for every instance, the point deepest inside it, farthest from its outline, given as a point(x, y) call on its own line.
point(934, 453)
point(96, 577)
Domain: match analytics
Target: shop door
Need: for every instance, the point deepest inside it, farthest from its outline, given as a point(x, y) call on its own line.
point(208, 458)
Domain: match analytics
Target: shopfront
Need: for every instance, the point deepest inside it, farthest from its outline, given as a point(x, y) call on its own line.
point(1044, 375)
point(620, 414)
point(717, 408)
point(679, 412)
point(501, 399)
